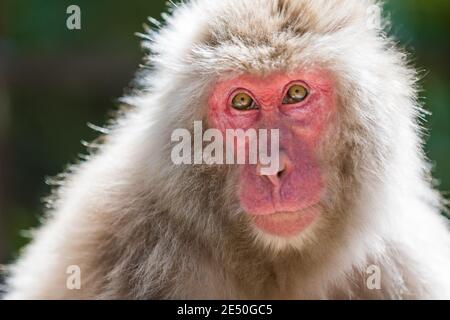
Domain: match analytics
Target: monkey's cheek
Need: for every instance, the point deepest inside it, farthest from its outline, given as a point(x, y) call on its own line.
point(286, 224)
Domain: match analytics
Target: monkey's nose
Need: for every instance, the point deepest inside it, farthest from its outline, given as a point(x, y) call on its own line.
point(277, 173)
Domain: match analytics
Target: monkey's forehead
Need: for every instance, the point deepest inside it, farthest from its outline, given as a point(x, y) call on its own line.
point(316, 77)
point(260, 36)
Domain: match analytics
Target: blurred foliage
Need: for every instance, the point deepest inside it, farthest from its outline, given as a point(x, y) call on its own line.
point(57, 80)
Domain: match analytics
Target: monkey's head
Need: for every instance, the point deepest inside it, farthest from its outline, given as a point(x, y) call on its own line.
point(321, 73)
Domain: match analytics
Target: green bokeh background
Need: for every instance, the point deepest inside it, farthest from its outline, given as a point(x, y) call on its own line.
point(54, 81)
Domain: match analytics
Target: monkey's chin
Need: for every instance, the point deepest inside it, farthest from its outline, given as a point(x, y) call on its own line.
point(286, 224)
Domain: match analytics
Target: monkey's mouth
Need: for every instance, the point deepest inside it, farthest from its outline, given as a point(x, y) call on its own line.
point(286, 224)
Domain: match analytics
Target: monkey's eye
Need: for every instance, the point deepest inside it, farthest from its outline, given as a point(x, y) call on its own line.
point(295, 94)
point(242, 101)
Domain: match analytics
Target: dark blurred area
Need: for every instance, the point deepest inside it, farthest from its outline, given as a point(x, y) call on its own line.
point(53, 81)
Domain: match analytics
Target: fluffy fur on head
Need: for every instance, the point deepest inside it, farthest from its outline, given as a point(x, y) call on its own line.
point(140, 227)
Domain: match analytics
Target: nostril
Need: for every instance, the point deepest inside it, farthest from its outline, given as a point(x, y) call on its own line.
point(282, 168)
point(280, 174)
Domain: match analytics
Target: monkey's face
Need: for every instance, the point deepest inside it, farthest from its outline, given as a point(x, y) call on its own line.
point(301, 105)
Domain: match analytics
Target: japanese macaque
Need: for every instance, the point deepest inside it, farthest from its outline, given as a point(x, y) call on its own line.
point(351, 199)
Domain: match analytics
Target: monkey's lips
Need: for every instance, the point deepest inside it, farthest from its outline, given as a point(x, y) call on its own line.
point(286, 224)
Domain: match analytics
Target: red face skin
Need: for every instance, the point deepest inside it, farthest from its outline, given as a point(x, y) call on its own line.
point(283, 204)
